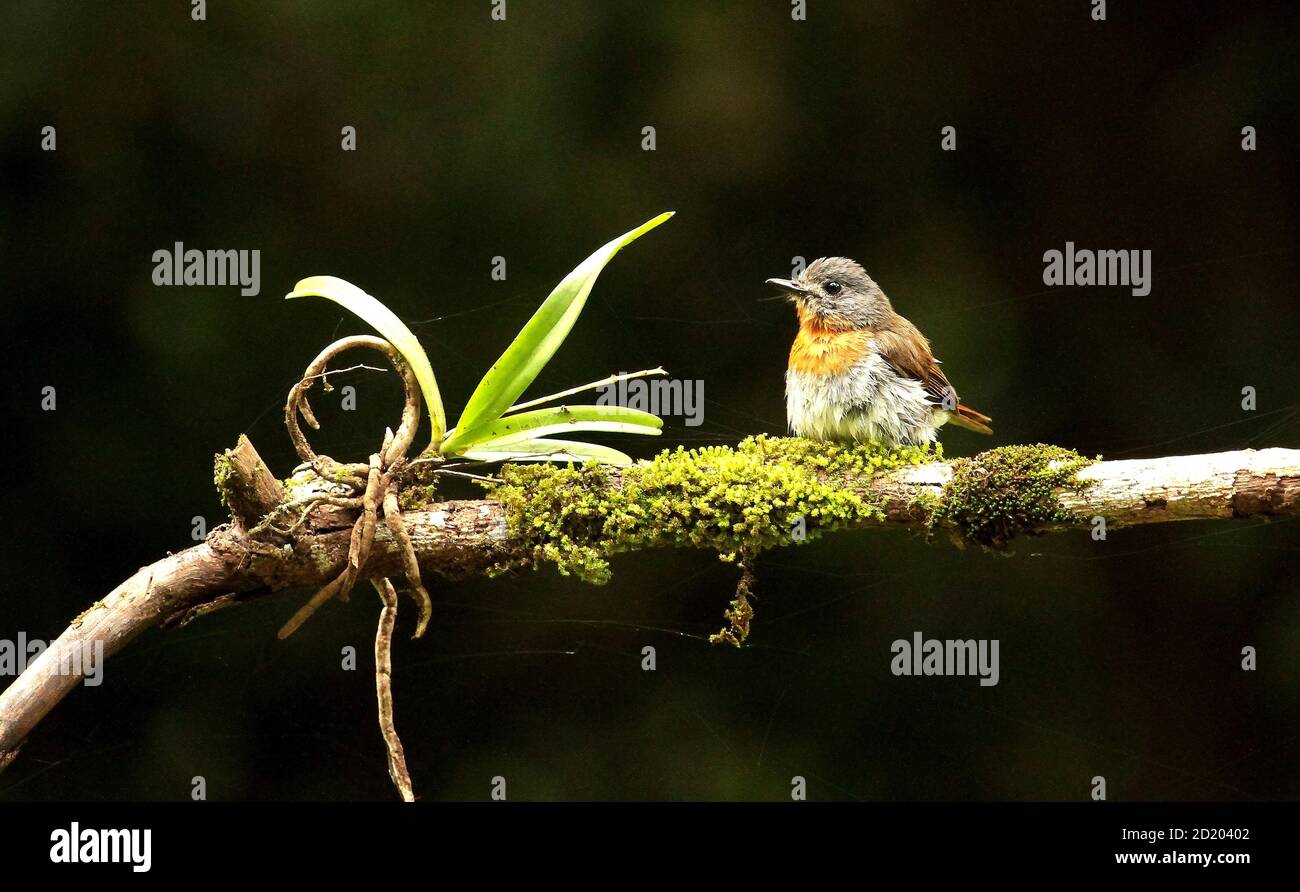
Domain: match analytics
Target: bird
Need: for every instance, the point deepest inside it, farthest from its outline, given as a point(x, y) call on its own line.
point(858, 370)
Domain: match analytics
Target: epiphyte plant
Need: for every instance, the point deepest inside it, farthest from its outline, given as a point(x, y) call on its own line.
point(493, 427)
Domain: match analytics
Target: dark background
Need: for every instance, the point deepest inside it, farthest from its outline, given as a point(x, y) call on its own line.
point(775, 138)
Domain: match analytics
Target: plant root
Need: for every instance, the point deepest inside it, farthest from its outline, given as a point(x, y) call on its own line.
point(384, 689)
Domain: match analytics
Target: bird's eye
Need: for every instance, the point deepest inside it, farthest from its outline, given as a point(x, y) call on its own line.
point(833, 287)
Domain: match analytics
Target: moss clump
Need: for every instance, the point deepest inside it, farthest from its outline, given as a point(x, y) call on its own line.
point(223, 473)
point(1008, 491)
point(740, 614)
point(419, 486)
point(725, 499)
point(412, 498)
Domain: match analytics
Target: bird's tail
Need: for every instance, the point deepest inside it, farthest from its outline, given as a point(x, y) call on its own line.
point(971, 420)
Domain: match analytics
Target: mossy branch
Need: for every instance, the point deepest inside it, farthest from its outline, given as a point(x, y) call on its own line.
point(764, 493)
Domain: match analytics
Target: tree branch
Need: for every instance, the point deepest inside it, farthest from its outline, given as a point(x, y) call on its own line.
point(459, 538)
point(1214, 486)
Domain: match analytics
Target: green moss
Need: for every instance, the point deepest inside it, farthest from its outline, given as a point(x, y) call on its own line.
point(413, 498)
point(223, 471)
point(419, 486)
point(746, 498)
point(740, 614)
point(1005, 492)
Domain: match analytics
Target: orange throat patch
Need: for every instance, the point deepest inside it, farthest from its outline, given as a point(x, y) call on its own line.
point(819, 350)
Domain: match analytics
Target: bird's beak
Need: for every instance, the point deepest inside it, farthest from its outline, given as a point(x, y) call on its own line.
point(791, 290)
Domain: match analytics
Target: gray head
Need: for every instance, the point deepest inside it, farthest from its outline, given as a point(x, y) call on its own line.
point(837, 293)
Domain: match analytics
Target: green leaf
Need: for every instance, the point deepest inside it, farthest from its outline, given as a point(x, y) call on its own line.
point(384, 321)
point(537, 342)
point(550, 450)
point(543, 422)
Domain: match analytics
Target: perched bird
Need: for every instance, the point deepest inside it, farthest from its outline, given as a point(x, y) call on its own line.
point(858, 370)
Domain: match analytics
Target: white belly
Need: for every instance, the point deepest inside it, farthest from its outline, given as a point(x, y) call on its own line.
point(869, 401)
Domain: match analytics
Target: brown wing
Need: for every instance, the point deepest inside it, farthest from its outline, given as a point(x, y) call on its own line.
point(907, 350)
